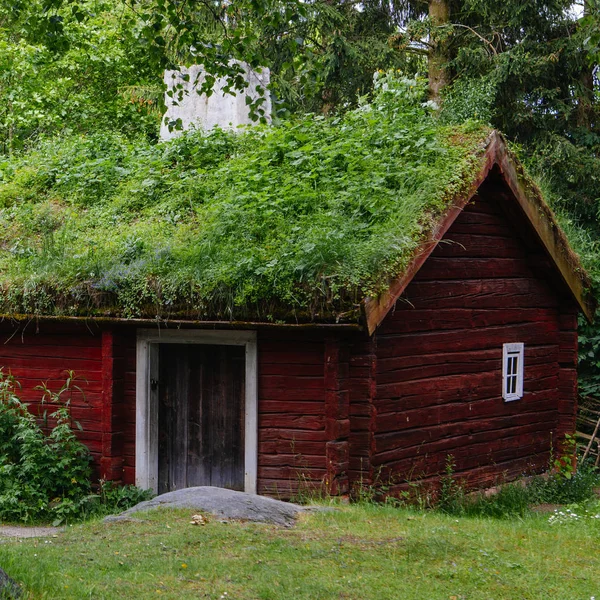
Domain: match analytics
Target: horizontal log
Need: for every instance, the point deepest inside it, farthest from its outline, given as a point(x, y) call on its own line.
point(298, 370)
point(296, 422)
point(535, 355)
point(470, 456)
point(292, 473)
point(360, 423)
point(290, 407)
point(363, 409)
point(295, 446)
point(461, 268)
point(297, 435)
point(445, 386)
point(407, 319)
point(469, 416)
point(282, 489)
point(284, 345)
point(487, 293)
point(53, 341)
point(289, 380)
point(296, 461)
point(492, 228)
point(441, 421)
point(289, 357)
point(292, 394)
point(456, 441)
point(568, 318)
point(38, 352)
point(478, 246)
point(460, 341)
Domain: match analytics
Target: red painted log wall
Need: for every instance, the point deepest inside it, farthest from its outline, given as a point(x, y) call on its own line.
point(439, 358)
point(42, 353)
point(292, 395)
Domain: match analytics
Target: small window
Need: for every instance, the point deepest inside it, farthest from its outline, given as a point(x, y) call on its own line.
point(512, 371)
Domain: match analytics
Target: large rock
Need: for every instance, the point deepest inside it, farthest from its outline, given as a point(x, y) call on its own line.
point(225, 504)
point(9, 588)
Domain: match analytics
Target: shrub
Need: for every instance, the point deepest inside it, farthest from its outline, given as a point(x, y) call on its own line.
point(45, 472)
point(558, 489)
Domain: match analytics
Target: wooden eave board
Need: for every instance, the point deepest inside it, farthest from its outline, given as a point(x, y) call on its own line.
point(535, 209)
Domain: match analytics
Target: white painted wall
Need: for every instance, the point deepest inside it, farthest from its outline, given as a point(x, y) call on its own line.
point(220, 109)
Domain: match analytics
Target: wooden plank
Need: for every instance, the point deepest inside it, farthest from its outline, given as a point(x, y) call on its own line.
point(291, 407)
point(469, 417)
point(485, 293)
point(479, 246)
point(535, 355)
point(290, 357)
point(441, 397)
point(292, 435)
point(407, 319)
point(283, 369)
point(456, 341)
point(292, 394)
point(297, 461)
point(41, 352)
point(297, 422)
point(289, 380)
point(440, 445)
point(70, 340)
point(439, 268)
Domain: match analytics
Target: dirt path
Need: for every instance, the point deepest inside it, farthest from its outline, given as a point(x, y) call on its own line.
point(15, 531)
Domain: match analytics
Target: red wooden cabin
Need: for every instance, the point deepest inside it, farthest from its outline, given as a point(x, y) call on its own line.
point(471, 353)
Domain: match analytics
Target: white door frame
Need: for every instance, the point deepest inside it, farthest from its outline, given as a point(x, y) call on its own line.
point(146, 395)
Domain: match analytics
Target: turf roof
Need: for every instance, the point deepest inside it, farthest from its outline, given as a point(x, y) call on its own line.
point(298, 222)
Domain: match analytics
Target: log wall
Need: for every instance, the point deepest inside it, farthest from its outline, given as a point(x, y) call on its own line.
point(292, 435)
point(42, 353)
point(439, 358)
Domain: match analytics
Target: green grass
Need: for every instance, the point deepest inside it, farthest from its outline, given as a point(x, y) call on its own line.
point(297, 221)
point(355, 552)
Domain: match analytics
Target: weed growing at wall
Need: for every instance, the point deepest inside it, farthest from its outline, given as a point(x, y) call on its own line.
point(44, 469)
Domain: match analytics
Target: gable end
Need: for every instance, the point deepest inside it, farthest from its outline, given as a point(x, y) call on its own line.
point(535, 210)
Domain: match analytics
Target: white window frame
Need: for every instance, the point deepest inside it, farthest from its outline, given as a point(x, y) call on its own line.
point(146, 417)
point(512, 374)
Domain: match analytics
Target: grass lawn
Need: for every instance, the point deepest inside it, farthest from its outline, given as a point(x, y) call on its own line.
point(355, 552)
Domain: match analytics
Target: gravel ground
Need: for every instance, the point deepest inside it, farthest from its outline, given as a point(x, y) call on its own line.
point(15, 531)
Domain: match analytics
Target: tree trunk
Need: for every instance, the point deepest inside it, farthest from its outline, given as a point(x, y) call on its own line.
point(439, 13)
point(585, 93)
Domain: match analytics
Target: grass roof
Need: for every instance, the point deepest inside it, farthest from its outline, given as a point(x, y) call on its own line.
point(299, 221)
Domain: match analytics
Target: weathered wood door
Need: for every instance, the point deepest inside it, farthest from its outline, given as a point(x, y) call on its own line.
point(201, 416)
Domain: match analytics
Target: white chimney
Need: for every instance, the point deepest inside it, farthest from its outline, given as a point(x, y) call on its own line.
point(220, 109)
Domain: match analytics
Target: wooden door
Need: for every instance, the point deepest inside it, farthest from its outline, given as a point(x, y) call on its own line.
point(201, 416)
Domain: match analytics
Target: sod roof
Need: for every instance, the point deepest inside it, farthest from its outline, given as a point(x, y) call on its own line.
point(299, 222)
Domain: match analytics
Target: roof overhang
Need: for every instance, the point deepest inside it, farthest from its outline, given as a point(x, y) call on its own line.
point(535, 209)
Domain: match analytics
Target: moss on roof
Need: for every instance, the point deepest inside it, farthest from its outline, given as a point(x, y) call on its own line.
point(299, 221)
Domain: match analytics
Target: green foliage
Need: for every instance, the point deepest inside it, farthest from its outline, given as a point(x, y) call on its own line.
point(43, 474)
point(44, 469)
point(563, 484)
point(451, 495)
point(569, 488)
point(469, 99)
point(305, 218)
point(90, 83)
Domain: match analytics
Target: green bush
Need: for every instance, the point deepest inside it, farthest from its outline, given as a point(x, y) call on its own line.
point(562, 485)
point(45, 472)
point(557, 489)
